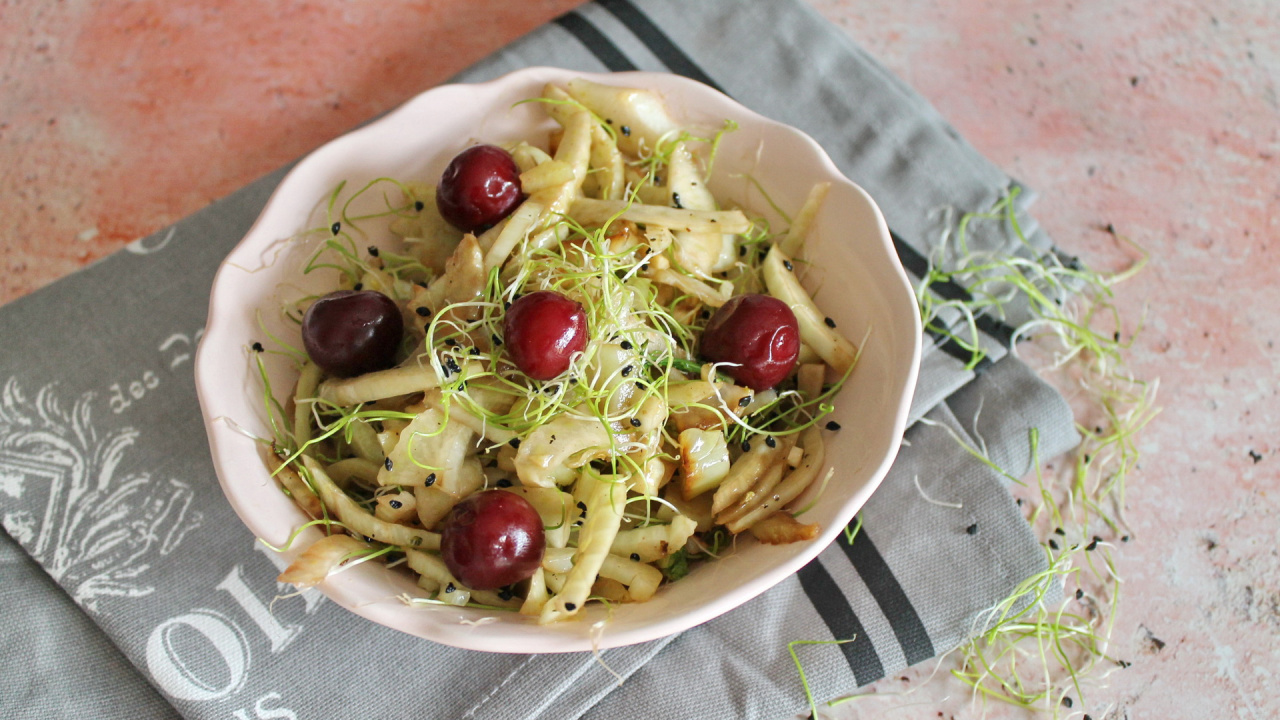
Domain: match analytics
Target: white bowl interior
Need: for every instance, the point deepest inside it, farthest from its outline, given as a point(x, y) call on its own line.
point(860, 285)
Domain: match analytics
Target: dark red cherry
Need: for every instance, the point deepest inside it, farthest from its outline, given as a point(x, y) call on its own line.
point(757, 332)
point(492, 539)
point(480, 187)
point(542, 331)
point(351, 333)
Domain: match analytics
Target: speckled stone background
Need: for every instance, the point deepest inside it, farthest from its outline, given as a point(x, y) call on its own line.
point(1159, 118)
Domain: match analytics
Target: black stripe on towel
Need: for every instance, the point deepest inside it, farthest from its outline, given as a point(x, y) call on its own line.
point(657, 41)
point(595, 41)
point(948, 290)
point(893, 602)
point(843, 624)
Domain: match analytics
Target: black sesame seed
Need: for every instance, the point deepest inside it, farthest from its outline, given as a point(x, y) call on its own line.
point(1079, 593)
point(449, 588)
point(387, 464)
point(424, 312)
point(1053, 544)
point(358, 287)
point(704, 314)
point(497, 341)
point(1117, 336)
point(570, 606)
point(418, 206)
point(635, 557)
point(833, 425)
point(431, 480)
point(625, 345)
point(830, 323)
point(744, 401)
point(336, 228)
point(635, 422)
point(453, 365)
point(503, 482)
point(675, 200)
point(368, 539)
point(1093, 545)
point(771, 441)
point(395, 504)
point(474, 351)
point(505, 594)
point(373, 250)
point(972, 529)
point(746, 446)
point(787, 264)
point(573, 380)
point(1019, 502)
point(1060, 531)
point(257, 346)
point(450, 342)
point(1087, 716)
point(515, 443)
point(626, 371)
point(1124, 538)
point(1066, 701)
point(626, 130)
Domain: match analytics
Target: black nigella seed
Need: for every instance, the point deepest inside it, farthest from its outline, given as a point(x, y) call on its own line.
point(418, 206)
point(358, 287)
point(449, 588)
point(570, 606)
point(1066, 701)
point(336, 228)
point(497, 341)
point(833, 425)
point(626, 371)
point(395, 504)
point(387, 464)
point(1019, 501)
point(972, 529)
point(635, 557)
point(1053, 544)
point(515, 443)
point(787, 264)
point(1060, 531)
point(635, 422)
point(1079, 593)
point(746, 446)
point(1124, 538)
point(257, 346)
point(625, 345)
point(644, 267)
point(474, 351)
point(675, 200)
point(373, 250)
point(424, 312)
point(431, 480)
point(744, 401)
point(626, 130)
point(771, 442)
point(503, 482)
point(450, 342)
point(830, 323)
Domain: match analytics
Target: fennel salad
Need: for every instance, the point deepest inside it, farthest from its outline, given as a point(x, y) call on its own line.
point(579, 374)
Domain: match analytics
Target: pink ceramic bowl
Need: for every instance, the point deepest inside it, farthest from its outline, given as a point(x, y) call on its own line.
point(863, 287)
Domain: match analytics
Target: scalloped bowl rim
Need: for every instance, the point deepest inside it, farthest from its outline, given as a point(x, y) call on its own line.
point(370, 590)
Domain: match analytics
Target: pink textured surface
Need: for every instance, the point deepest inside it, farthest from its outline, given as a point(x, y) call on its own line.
point(1158, 117)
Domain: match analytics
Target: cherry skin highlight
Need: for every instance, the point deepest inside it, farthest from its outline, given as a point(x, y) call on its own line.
point(492, 539)
point(759, 334)
point(351, 333)
point(542, 331)
point(480, 187)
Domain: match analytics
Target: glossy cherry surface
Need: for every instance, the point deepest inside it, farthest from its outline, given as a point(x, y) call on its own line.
point(492, 539)
point(542, 331)
point(351, 333)
point(758, 333)
point(480, 187)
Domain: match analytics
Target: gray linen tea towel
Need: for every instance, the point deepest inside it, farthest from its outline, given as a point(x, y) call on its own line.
point(106, 487)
